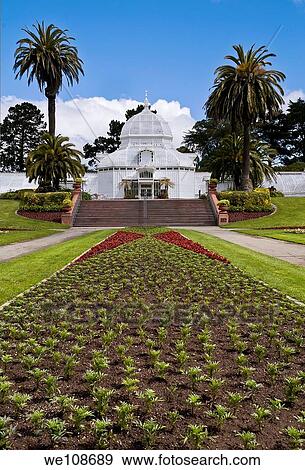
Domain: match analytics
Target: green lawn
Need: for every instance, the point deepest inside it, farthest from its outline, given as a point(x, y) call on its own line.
point(285, 277)
point(27, 229)
point(21, 236)
point(277, 234)
point(21, 273)
point(290, 213)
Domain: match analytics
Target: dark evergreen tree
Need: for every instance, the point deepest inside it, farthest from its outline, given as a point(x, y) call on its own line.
point(21, 131)
point(277, 134)
point(296, 119)
point(132, 112)
point(286, 133)
point(204, 139)
point(103, 144)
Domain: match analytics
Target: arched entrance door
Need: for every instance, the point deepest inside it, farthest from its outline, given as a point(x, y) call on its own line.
point(146, 190)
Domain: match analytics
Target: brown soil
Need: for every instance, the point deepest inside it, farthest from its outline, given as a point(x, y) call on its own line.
point(77, 309)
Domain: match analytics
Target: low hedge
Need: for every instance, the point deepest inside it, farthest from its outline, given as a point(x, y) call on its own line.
point(45, 202)
point(86, 196)
point(16, 195)
point(243, 201)
point(277, 194)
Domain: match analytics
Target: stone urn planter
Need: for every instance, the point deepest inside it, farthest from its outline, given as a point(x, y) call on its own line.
point(77, 185)
point(212, 185)
point(223, 205)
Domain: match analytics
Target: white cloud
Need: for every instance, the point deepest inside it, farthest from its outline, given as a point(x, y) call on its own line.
point(293, 95)
point(83, 119)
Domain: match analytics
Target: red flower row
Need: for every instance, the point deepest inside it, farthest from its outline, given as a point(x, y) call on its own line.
point(117, 239)
point(177, 239)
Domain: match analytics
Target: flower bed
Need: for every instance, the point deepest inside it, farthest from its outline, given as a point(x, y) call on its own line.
point(54, 216)
point(152, 346)
point(115, 240)
point(239, 216)
point(300, 231)
point(177, 239)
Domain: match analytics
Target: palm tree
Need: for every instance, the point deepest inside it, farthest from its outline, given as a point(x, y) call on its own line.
point(48, 56)
point(54, 160)
point(227, 161)
point(166, 183)
point(245, 92)
point(126, 185)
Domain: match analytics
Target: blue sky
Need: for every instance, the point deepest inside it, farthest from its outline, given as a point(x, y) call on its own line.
point(169, 47)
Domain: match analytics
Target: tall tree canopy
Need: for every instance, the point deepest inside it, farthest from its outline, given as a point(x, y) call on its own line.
point(245, 92)
point(21, 132)
point(277, 133)
point(47, 56)
point(132, 112)
point(296, 119)
point(285, 133)
point(53, 161)
point(226, 161)
point(103, 144)
point(204, 139)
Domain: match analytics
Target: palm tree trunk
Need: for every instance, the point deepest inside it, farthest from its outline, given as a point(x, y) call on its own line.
point(246, 183)
point(236, 181)
point(51, 110)
point(56, 183)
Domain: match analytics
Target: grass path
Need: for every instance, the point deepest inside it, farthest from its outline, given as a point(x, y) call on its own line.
point(277, 235)
point(21, 273)
point(285, 277)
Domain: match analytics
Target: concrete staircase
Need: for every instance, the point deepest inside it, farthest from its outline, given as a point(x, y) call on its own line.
point(127, 212)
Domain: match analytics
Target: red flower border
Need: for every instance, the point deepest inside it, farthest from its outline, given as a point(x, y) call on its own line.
point(115, 240)
point(177, 239)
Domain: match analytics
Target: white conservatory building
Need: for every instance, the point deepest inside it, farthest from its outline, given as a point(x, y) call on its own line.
point(146, 165)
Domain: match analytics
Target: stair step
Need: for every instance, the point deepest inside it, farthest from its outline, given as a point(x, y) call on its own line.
point(121, 213)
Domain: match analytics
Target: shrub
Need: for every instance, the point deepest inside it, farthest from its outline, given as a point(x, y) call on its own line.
point(9, 195)
point(224, 202)
point(277, 194)
point(296, 166)
point(45, 202)
point(16, 195)
point(86, 196)
point(243, 201)
point(22, 192)
point(67, 202)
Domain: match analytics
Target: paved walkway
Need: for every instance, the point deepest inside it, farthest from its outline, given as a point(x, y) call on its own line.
point(291, 252)
point(14, 250)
